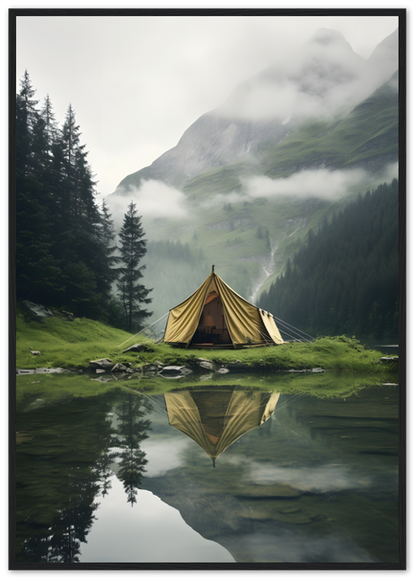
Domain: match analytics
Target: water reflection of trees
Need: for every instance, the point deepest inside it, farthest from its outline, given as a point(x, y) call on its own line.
point(131, 432)
point(73, 452)
point(69, 464)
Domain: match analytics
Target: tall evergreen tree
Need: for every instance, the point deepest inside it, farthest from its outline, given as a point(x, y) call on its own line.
point(108, 236)
point(132, 249)
point(37, 271)
point(63, 260)
point(26, 118)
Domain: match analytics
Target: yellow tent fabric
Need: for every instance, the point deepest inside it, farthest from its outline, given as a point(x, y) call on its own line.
point(216, 418)
point(215, 314)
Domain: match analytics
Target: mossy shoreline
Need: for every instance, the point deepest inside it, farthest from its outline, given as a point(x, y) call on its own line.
point(73, 344)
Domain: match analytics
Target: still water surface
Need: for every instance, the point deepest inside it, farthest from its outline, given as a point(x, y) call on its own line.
point(213, 475)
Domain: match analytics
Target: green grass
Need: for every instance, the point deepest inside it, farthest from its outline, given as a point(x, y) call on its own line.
point(74, 344)
point(63, 343)
point(50, 388)
point(71, 345)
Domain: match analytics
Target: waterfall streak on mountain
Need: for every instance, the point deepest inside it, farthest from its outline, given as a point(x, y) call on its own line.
point(268, 267)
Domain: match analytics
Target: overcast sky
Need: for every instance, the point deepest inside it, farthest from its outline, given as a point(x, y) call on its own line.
point(137, 83)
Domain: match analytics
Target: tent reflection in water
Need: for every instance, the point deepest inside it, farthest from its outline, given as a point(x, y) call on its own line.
point(217, 418)
point(216, 316)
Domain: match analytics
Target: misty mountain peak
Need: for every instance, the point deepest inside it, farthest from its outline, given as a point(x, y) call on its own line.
point(328, 37)
point(322, 79)
point(385, 57)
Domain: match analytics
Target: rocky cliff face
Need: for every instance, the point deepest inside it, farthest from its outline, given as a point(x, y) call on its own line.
point(209, 142)
point(326, 78)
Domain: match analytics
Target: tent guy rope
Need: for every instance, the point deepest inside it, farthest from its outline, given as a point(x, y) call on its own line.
point(143, 329)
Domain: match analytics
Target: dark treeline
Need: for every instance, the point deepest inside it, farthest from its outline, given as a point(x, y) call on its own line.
point(65, 251)
point(344, 280)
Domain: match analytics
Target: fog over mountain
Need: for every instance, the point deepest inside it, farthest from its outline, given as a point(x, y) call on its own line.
point(247, 180)
point(321, 79)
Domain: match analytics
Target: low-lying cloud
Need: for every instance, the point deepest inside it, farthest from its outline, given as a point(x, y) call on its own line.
point(154, 199)
point(317, 183)
point(318, 479)
point(325, 184)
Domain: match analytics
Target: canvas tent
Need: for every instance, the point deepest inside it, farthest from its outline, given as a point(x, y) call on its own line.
point(216, 418)
point(215, 315)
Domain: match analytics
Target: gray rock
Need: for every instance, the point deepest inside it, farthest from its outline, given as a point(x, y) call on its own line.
point(174, 372)
point(206, 364)
point(103, 363)
point(39, 371)
point(118, 367)
point(38, 309)
point(138, 348)
point(171, 369)
point(223, 371)
point(35, 352)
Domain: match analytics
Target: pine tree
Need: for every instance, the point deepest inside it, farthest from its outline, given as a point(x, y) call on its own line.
point(37, 271)
point(107, 236)
point(132, 250)
point(26, 118)
point(63, 254)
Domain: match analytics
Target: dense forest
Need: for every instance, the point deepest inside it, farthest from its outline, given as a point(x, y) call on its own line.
point(66, 256)
point(344, 280)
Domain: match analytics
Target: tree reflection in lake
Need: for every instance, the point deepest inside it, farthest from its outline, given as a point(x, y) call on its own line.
point(300, 479)
point(131, 431)
point(68, 464)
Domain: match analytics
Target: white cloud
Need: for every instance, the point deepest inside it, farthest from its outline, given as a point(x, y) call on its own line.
point(154, 199)
point(137, 83)
point(319, 183)
point(321, 479)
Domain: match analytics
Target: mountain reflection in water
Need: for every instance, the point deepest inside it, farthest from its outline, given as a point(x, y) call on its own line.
point(299, 480)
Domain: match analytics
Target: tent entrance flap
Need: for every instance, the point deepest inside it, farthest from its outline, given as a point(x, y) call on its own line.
point(212, 327)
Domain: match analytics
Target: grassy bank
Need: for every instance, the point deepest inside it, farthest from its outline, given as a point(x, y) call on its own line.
point(73, 344)
point(35, 391)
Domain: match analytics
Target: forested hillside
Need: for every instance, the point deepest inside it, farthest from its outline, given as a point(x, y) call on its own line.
point(345, 278)
point(66, 256)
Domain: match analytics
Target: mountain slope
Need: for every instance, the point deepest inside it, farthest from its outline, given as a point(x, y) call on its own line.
point(366, 138)
point(325, 79)
point(284, 189)
point(250, 182)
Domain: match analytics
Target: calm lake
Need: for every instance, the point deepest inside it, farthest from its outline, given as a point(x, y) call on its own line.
point(212, 474)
